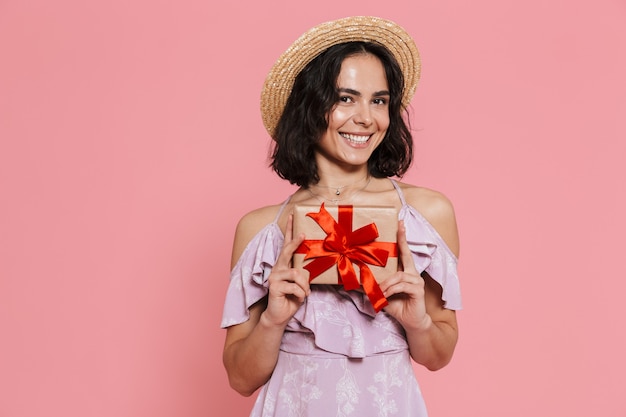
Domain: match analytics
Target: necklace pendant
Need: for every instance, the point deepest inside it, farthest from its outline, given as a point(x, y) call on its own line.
point(337, 192)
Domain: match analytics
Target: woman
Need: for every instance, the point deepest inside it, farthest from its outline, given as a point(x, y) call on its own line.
point(334, 105)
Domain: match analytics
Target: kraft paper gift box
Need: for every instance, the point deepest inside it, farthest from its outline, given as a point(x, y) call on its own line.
point(353, 231)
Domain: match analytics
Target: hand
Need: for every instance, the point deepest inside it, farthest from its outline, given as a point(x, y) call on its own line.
point(288, 287)
point(405, 289)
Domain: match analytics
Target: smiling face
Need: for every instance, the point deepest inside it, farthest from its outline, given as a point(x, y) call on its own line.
point(358, 122)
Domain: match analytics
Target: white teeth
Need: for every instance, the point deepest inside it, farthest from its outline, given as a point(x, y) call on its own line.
point(355, 138)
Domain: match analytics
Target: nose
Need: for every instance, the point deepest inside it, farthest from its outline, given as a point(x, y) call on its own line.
point(363, 116)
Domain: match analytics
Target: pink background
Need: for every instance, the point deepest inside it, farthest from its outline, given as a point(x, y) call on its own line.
point(131, 143)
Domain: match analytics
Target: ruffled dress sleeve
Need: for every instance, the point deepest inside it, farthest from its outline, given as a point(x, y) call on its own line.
point(432, 255)
point(248, 279)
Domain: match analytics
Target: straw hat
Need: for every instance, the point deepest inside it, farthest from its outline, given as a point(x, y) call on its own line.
point(316, 40)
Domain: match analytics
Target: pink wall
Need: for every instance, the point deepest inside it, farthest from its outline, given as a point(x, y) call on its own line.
point(127, 129)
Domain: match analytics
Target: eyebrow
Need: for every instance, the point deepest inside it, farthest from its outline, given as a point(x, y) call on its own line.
point(358, 93)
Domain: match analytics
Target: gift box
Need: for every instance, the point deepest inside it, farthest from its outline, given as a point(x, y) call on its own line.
point(345, 244)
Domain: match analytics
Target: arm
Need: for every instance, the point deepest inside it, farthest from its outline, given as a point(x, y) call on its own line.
point(432, 343)
point(251, 348)
point(415, 301)
point(251, 351)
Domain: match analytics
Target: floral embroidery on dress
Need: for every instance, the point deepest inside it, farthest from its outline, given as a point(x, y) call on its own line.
point(383, 393)
point(347, 393)
point(300, 378)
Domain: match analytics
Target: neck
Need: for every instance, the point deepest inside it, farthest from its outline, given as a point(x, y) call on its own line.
point(336, 193)
point(335, 176)
point(342, 182)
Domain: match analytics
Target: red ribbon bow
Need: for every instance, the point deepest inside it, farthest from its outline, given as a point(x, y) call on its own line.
point(345, 247)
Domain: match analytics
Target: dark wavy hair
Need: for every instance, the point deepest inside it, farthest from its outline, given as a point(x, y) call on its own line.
point(304, 119)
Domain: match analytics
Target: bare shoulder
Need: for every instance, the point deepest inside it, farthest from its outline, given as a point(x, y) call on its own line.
point(432, 204)
point(437, 209)
point(249, 225)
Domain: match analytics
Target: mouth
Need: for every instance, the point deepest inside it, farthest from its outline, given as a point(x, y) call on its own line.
point(356, 139)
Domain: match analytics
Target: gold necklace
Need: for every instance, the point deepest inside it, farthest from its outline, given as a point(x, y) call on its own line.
point(338, 189)
point(337, 200)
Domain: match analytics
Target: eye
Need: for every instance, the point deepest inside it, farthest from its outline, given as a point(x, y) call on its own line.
point(381, 101)
point(345, 99)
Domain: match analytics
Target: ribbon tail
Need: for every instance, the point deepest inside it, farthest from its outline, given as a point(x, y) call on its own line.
point(318, 266)
point(347, 274)
point(373, 291)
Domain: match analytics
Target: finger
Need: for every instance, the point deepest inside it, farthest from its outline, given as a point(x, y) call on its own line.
point(302, 280)
point(406, 284)
point(289, 275)
point(389, 285)
point(290, 289)
point(406, 258)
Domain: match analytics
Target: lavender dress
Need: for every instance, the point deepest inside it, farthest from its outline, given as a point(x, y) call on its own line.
point(338, 357)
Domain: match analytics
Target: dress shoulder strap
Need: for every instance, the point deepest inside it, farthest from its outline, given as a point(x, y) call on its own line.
point(399, 190)
point(282, 208)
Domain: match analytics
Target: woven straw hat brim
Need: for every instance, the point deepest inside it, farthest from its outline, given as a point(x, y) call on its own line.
point(279, 82)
